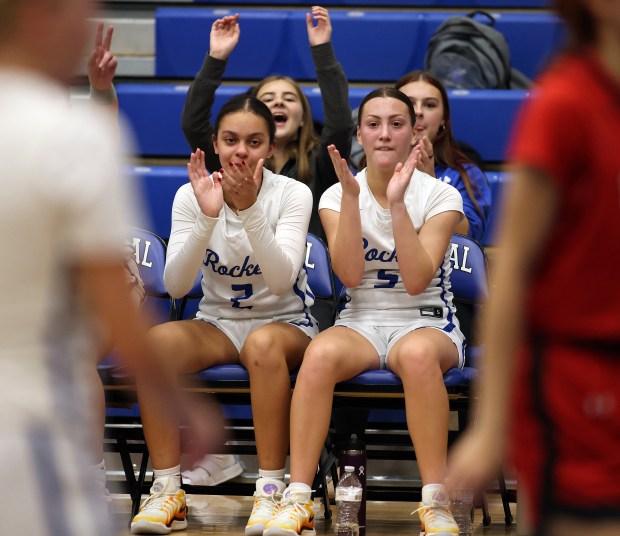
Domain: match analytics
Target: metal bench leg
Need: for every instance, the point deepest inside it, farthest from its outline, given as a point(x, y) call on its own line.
point(327, 464)
point(486, 516)
point(135, 500)
point(505, 501)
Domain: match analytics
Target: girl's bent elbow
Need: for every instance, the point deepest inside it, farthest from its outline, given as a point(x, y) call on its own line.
point(414, 290)
point(350, 282)
point(176, 293)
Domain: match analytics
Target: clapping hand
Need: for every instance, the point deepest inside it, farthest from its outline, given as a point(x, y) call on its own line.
point(350, 187)
point(427, 156)
point(241, 184)
point(207, 188)
point(402, 177)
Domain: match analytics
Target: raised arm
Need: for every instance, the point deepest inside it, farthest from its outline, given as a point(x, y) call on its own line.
point(101, 69)
point(194, 216)
point(344, 229)
point(196, 115)
point(337, 120)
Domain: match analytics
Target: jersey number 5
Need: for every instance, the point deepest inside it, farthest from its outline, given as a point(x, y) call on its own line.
point(247, 293)
point(390, 279)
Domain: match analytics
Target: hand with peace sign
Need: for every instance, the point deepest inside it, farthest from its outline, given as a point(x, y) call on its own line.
point(101, 67)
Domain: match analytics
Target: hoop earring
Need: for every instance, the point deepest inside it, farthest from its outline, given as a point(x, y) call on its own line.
point(442, 129)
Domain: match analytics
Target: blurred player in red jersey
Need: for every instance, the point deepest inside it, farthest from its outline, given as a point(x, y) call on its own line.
point(552, 326)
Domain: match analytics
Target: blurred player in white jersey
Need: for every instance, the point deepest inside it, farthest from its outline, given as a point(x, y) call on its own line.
point(62, 222)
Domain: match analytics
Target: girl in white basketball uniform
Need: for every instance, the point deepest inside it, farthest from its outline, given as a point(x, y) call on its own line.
point(244, 228)
point(389, 231)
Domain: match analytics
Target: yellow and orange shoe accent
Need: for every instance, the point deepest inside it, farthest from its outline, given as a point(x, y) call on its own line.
point(161, 513)
point(266, 500)
point(295, 515)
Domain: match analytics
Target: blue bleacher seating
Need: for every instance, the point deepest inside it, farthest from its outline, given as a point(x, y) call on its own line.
point(481, 118)
point(396, 46)
point(275, 41)
point(182, 40)
point(156, 187)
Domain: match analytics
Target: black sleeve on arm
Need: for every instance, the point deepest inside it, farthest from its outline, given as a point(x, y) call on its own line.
point(337, 122)
point(196, 116)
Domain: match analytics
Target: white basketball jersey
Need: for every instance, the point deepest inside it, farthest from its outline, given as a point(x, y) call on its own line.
point(63, 204)
point(232, 277)
point(381, 297)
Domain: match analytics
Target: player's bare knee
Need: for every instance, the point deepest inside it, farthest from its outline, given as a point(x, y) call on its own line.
point(164, 342)
point(320, 363)
point(262, 353)
point(418, 361)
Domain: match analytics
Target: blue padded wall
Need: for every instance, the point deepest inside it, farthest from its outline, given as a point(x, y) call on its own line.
point(182, 40)
point(370, 45)
point(154, 112)
point(378, 45)
point(482, 118)
point(156, 187)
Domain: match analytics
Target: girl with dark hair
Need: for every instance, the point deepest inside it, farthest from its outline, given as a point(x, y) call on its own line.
point(298, 152)
point(388, 230)
point(441, 156)
point(444, 159)
point(244, 228)
point(552, 325)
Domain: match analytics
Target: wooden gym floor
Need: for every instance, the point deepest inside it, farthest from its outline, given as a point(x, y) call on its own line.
point(219, 515)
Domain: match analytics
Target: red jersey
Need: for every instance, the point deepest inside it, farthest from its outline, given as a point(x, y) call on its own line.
point(570, 130)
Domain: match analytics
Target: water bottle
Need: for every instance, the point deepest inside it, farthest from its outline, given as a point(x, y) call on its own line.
point(348, 499)
point(354, 454)
point(461, 504)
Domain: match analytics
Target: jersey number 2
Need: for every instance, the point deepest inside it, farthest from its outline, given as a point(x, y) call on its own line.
point(247, 293)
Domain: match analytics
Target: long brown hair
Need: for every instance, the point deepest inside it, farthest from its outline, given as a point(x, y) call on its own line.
point(306, 139)
point(445, 148)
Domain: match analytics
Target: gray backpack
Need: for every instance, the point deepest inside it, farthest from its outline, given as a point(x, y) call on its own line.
point(466, 54)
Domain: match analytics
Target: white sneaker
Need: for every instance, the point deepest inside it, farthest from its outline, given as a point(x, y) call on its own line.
point(268, 493)
point(213, 470)
point(295, 515)
point(435, 516)
point(163, 511)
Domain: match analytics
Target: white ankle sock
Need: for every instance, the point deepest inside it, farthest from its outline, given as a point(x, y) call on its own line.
point(299, 486)
point(278, 474)
point(434, 493)
point(166, 480)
